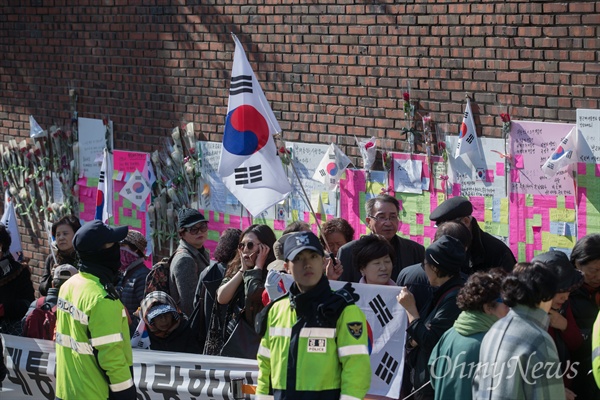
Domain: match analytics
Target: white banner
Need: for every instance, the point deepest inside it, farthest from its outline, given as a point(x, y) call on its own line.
point(160, 375)
point(387, 322)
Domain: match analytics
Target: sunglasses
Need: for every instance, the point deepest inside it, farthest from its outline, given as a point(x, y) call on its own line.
point(201, 227)
point(249, 245)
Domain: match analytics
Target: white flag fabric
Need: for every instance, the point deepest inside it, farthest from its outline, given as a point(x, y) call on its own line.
point(35, 130)
point(467, 137)
point(331, 167)
point(386, 327)
point(9, 220)
point(104, 196)
point(564, 155)
point(249, 165)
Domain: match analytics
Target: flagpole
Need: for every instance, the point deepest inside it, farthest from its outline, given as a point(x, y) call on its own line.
point(306, 199)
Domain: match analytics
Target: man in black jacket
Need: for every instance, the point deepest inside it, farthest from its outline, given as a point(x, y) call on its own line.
point(486, 251)
point(382, 218)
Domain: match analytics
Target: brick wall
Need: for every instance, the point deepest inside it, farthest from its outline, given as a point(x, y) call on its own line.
point(331, 69)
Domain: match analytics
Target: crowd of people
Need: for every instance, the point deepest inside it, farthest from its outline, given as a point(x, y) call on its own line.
point(479, 324)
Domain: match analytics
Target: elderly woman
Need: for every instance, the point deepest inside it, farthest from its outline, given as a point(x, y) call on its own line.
point(518, 358)
point(481, 306)
point(167, 327)
point(444, 259)
point(63, 252)
point(585, 303)
point(335, 233)
point(374, 259)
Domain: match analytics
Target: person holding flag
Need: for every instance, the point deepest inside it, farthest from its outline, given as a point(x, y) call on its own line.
point(249, 165)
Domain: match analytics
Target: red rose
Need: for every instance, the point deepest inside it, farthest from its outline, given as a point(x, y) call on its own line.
point(505, 117)
point(369, 145)
point(442, 145)
point(406, 96)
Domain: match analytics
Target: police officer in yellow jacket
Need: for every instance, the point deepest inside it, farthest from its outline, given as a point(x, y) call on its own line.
point(314, 342)
point(93, 352)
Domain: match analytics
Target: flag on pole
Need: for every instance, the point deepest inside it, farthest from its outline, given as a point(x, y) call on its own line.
point(249, 165)
point(467, 138)
point(564, 155)
point(331, 167)
point(104, 196)
point(9, 220)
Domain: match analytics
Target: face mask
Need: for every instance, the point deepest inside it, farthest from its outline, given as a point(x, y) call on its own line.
point(127, 257)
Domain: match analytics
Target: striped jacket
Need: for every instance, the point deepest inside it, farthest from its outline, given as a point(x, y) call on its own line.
point(93, 352)
point(304, 355)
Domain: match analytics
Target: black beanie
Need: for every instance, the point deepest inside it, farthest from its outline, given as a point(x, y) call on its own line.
point(447, 254)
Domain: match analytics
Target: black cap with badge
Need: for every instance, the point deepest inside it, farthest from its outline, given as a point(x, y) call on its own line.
point(299, 241)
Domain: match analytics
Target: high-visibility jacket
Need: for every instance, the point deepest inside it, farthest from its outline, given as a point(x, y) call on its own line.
point(93, 350)
point(305, 356)
point(596, 350)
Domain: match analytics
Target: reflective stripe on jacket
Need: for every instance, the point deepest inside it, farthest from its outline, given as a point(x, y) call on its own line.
point(333, 361)
point(93, 351)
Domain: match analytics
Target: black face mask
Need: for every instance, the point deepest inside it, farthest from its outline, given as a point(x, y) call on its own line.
point(109, 258)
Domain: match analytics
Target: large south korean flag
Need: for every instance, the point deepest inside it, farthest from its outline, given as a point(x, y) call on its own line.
point(386, 327)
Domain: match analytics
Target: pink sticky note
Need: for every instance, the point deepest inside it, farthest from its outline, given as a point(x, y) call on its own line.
point(456, 189)
point(279, 225)
point(581, 168)
point(500, 169)
point(519, 161)
point(127, 212)
point(489, 175)
point(419, 219)
point(515, 176)
point(597, 169)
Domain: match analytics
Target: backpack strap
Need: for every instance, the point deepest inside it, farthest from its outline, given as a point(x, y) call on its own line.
point(447, 293)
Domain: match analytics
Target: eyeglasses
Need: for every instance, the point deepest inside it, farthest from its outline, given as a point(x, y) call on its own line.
point(381, 218)
point(249, 245)
point(200, 227)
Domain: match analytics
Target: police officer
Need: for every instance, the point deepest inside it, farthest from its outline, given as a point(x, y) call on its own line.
point(315, 340)
point(94, 359)
point(485, 251)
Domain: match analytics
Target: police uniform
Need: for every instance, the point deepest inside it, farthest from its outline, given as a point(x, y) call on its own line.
point(314, 346)
point(94, 358)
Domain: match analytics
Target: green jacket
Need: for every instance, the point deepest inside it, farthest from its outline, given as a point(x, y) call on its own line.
point(93, 352)
point(305, 355)
point(596, 350)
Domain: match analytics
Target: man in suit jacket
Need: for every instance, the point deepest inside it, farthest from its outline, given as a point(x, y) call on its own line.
point(382, 218)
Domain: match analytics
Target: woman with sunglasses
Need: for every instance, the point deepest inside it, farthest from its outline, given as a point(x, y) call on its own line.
point(240, 294)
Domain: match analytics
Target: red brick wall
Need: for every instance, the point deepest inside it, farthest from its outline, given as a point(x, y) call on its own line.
point(331, 69)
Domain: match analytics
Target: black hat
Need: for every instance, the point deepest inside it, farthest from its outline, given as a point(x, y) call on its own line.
point(569, 277)
point(453, 208)
point(447, 254)
point(188, 217)
point(93, 235)
point(299, 241)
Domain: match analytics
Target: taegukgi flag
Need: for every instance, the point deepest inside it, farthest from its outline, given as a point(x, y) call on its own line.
point(564, 155)
point(332, 166)
point(104, 196)
point(249, 165)
point(386, 330)
point(467, 137)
